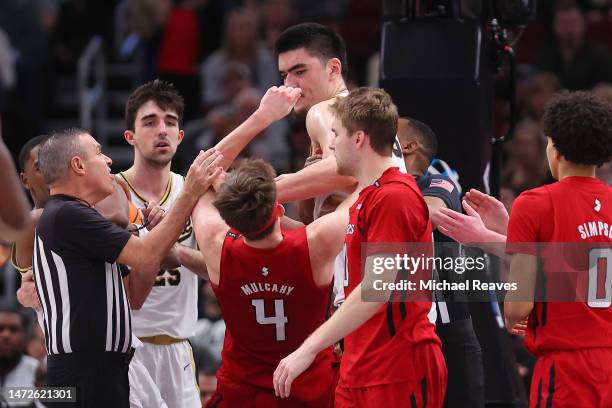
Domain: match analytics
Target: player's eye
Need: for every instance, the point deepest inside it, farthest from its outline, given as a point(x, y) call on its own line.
point(300, 72)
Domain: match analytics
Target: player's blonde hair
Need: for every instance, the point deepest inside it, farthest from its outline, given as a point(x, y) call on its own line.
point(372, 111)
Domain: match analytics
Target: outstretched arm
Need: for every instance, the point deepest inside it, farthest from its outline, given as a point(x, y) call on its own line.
point(275, 105)
point(317, 179)
point(14, 206)
point(470, 230)
point(210, 230)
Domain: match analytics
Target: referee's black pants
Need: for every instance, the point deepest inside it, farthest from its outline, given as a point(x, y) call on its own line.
point(100, 378)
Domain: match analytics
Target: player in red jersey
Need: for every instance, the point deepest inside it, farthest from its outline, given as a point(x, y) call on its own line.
point(273, 285)
point(392, 356)
point(572, 340)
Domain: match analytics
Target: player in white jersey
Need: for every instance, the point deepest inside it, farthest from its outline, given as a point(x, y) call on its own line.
point(165, 304)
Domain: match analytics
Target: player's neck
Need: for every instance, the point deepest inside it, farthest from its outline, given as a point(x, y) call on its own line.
point(568, 169)
point(337, 89)
point(269, 242)
point(371, 168)
point(149, 181)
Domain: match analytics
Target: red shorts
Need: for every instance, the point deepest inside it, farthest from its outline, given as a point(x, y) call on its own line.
point(244, 396)
point(573, 378)
point(428, 391)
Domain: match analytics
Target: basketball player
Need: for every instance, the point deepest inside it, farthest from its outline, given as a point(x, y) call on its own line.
point(392, 354)
point(312, 57)
point(273, 285)
point(164, 301)
point(571, 339)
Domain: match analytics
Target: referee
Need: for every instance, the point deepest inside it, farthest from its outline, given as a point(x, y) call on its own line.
point(86, 311)
point(462, 353)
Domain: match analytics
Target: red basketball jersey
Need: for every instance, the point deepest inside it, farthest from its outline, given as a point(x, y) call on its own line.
point(270, 304)
point(381, 351)
point(574, 210)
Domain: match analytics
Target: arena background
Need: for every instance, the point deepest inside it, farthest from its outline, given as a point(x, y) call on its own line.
point(74, 62)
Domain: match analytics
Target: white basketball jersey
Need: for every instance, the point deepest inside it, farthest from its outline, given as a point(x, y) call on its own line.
point(171, 308)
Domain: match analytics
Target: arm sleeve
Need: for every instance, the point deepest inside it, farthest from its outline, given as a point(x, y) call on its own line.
point(437, 185)
point(85, 229)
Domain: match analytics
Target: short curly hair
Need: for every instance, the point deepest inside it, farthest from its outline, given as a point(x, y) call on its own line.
point(580, 126)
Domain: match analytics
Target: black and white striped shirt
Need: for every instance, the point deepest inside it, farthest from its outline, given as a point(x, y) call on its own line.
point(79, 284)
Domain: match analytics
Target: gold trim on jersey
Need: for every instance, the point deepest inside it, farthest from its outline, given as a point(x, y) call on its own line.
point(14, 261)
point(141, 198)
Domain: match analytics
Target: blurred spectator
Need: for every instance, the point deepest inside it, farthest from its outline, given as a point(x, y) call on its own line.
point(7, 68)
point(276, 16)
point(578, 64)
point(539, 91)
point(36, 343)
point(207, 365)
point(27, 24)
point(210, 329)
point(16, 368)
point(527, 166)
point(242, 45)
point(179, 52)
point(147, 18)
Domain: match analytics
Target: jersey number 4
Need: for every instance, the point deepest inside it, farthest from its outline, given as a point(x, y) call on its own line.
point(600, 271)
point(279, 319)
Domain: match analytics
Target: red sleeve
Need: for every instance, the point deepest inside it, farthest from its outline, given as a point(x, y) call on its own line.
point(530, 211)
point(396, 214)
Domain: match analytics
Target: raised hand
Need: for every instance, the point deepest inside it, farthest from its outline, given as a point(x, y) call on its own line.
point(153, 214)
point(491, 210)
point(278, 102)
point(203, 172)
point(465, 229)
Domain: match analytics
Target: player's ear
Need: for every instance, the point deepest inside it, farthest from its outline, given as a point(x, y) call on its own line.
point(410, 147)
point(181, 135)
point(335, 66)
point(128, 135)
point(360, 139)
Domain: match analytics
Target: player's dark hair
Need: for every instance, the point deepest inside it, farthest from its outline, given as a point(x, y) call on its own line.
point(426, 136)
point(24, 153)
point(372, 111)
point(162, 93)
point(246, 200)
point(580, 126)
point(318, 40)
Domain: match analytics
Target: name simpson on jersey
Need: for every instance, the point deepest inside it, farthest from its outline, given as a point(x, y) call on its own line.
point(255, 287)
point(594, 229)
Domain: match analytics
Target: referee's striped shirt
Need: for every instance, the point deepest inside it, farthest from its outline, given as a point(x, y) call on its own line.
point(80, 286)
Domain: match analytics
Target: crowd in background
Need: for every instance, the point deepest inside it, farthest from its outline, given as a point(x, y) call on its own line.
point(218, 55)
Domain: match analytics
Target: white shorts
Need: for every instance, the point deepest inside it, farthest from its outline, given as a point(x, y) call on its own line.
point(172, 369)
point(143, 391)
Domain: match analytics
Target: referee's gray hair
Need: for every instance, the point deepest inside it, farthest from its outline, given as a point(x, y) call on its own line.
point(56, 152)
